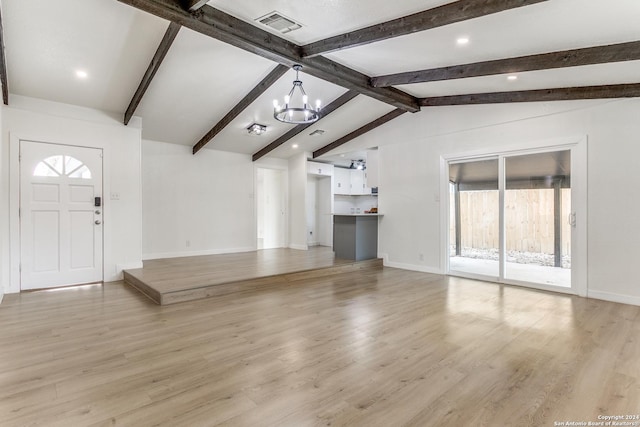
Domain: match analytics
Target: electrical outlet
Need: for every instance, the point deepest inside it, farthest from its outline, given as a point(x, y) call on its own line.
point(115, 196)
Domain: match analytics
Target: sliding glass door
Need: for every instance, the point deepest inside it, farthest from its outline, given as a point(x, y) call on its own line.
point(474, 217)
point(537, 203)
point(510, 218)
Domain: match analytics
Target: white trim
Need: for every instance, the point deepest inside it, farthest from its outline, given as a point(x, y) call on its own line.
point(527, 285)
point(264, 164)
point(161, 255)
point(528, 147)
point(578, 146)
point(411, 267)
point(445, 205)
point(299, 247)
point(14, 218)
point(14, 206)
point(619, 298)
point(474, 276)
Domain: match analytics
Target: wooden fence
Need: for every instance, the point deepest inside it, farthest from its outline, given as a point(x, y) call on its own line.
point(528, 220)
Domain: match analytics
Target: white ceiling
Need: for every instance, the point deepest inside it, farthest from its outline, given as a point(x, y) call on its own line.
point(326, 18)
point(549, 26)
point(201, 79)
point(47, 41)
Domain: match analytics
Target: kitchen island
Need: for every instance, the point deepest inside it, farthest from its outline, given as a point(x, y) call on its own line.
point(355, 236)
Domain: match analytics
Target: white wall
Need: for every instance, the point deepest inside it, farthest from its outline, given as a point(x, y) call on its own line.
point(4, 220)
point(325, 211)
point(409, 178)
point(312, 210)
point(45, 121)
point(344, 204)
point(196, 205)
point(297, 201)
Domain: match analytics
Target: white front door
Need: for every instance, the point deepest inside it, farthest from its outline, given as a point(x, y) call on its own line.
point(60, 215)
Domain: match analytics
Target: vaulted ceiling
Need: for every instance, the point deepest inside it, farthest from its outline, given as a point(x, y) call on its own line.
point(198, 73)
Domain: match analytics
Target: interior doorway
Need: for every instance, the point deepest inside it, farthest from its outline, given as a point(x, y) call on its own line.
point(60, 215)
point(271, 212)
point(512, 218)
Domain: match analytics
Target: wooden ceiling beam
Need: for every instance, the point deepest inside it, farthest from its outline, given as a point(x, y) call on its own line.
point(193, 5)
point(437, 17)
point(339, 102)
point(541, 95)
point(568, 58)
point(224, 27)
point(358, 132)
point(161, 52)
point(4, 80)
point(260, 88)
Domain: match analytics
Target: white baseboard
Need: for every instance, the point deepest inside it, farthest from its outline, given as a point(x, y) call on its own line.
point(410, 267)
point(608, 296)
point(196, 253)
point(299, 247)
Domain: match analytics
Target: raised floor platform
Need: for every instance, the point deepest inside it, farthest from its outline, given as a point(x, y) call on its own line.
point(173, 280)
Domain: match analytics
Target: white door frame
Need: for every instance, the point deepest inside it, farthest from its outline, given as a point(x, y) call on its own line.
point(285, 176)
point(578, 147)
point(14, 204)
point(66, 275)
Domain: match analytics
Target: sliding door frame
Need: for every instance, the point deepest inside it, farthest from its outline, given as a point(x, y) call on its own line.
point(578, 148)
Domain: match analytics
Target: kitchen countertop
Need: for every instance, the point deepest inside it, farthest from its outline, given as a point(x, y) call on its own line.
point(360, 214)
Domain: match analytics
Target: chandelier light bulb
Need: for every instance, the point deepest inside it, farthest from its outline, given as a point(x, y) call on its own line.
point(287, 98)
point(318, 104)
point(305, 100)
point(275, 104)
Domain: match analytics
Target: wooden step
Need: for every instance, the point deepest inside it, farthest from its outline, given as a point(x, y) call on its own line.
point(251, 285)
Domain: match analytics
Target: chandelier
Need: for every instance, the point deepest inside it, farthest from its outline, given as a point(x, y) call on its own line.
point(289, 113)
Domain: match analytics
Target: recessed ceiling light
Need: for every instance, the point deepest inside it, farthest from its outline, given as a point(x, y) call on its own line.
point(462, 40)
point(512, 78)
point(82, 74)
point(341, 155)
point(294, 145)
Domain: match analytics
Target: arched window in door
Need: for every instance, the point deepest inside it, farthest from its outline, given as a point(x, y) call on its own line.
point(61, 165)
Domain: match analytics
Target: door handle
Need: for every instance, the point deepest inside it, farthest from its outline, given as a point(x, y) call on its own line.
point(98, 222)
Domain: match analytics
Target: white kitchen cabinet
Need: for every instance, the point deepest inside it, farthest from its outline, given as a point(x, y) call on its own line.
point(358, 183)
point(341, 181)
point(350, 182)
point(323, 169)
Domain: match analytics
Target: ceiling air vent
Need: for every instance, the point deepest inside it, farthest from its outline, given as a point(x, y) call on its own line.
point(279, 22)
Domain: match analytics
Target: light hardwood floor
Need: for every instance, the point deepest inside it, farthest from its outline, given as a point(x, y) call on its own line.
point(375, 348)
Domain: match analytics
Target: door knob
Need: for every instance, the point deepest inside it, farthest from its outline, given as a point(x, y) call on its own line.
point(98, 222)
